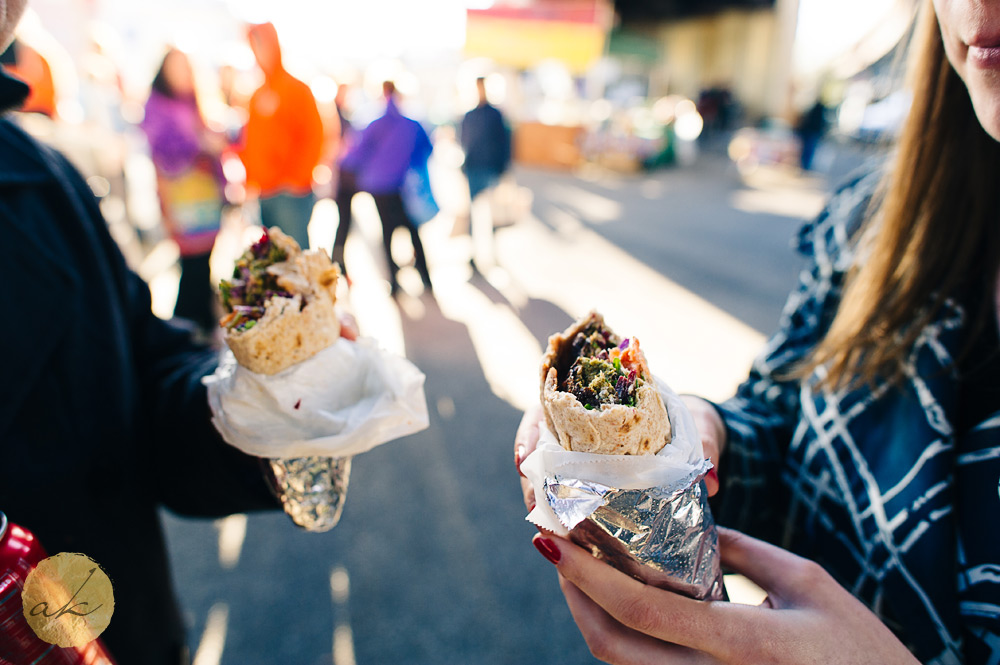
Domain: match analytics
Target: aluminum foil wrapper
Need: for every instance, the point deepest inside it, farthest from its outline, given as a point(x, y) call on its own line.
point(663, 536)
point(312, 490)
point(646, 515)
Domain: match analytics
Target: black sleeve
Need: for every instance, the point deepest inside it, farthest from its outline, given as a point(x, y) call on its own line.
point(195, 472)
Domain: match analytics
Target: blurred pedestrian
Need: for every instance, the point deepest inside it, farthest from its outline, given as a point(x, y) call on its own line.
point(347, 187)
point(347, 181)
point(340, 101)
point(386, 150)
point(186, 155)
point(337, 130)
point(282, 142)
point(485, 138)
point(810, 130)
point(33, 68)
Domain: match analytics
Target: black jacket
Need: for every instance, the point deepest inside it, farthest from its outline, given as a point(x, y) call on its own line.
point(102, 414)
point(486, 140)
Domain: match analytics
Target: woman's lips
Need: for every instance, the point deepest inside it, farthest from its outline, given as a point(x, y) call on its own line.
point(984, 51)
point(987, 57)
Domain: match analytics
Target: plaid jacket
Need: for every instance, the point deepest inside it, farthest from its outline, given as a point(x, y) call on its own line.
point(893, 491)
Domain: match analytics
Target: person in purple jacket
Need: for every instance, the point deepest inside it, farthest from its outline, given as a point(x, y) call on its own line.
point(387, 149)
point(188, 174)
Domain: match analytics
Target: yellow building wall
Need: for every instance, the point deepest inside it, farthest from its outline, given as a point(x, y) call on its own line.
point(734, 49)
point(524, 43)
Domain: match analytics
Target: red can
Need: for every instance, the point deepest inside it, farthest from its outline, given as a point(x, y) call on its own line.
point(20, 552)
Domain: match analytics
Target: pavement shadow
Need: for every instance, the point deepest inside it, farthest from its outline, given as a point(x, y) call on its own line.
point(541, 317)
point(439, 553)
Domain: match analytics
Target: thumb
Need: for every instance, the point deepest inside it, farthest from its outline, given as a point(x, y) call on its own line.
point(783, 575)
point(526, 439)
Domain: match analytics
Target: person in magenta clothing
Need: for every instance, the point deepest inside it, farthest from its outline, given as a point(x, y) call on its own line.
point(387, 149)
point(189, 179)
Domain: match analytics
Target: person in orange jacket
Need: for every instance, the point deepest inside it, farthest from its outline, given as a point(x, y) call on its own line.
point(31, 67)
point(282, 140)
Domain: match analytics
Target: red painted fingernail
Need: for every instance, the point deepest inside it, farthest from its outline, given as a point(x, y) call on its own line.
point(713, 474)
point(548, 549)
point(532, 506)
point(518, 458)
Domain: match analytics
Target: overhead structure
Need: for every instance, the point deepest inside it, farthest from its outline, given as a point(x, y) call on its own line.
point(630, 10)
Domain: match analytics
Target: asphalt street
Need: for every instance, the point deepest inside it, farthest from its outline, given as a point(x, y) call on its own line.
point(431, 563)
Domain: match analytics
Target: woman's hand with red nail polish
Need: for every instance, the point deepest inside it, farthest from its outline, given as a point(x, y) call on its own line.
point(713, 436)
point(712, 481)
point(548, 548)
point(807, 616)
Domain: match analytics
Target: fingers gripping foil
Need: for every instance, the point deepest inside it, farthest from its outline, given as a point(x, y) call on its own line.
point(663, 536)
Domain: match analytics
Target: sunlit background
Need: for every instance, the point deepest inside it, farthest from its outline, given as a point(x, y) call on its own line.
point(820, 42)
point(624, 113)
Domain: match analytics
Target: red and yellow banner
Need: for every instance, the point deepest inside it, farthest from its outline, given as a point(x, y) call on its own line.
point(572, 31)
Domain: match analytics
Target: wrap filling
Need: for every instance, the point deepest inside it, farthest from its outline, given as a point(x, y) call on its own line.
point(603, 369)
point(252, 285)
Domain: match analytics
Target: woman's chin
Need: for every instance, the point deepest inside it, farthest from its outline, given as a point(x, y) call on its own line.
point(986, 103)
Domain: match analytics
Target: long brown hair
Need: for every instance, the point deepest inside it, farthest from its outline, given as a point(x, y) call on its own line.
point(161, 82)
point(933, 230)
point(163, 86)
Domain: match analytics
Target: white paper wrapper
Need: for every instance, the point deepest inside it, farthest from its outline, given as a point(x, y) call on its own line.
point(646, 515)
point(677, 462)
point(345, 400)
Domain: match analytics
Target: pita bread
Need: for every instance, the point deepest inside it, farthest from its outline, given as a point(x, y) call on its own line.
point(613, 429)
point(296, 328)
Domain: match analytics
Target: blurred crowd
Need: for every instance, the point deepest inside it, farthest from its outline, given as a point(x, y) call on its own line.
point(200, 148)
point(254, 146)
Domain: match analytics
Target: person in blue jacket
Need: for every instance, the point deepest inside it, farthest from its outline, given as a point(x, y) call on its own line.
point(864, 447)
point(387, 149)
point(485, 139)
